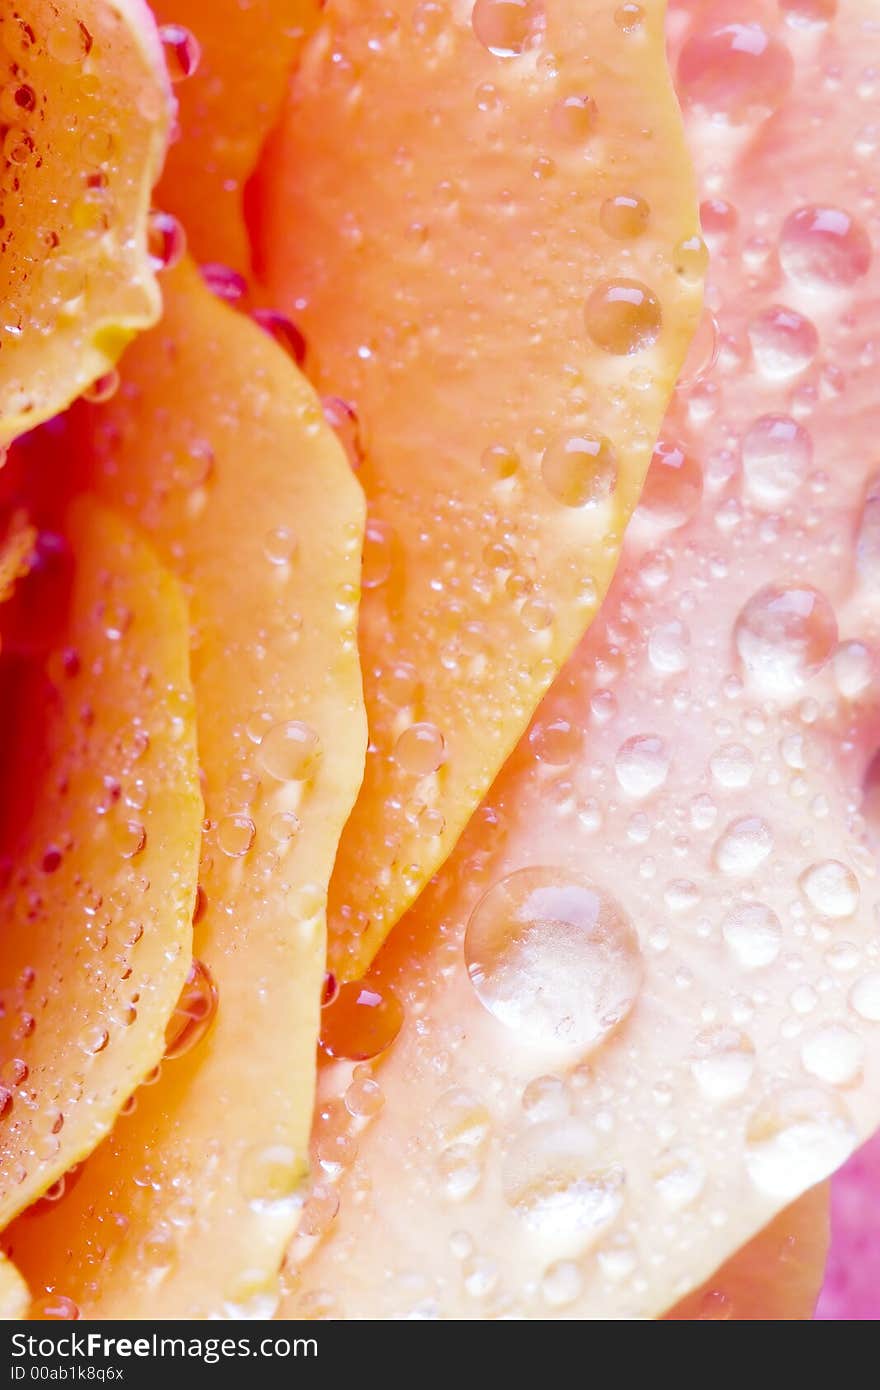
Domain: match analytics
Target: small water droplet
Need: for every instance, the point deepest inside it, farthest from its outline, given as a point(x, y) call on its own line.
point(507, 27)
point(865, 996)
point(732, 765)
point(833, 1053)
point(420, 750)
point(831, 888)
point(722, 1063)
point(361, 1021)
point(194, 1012)
point(783, 342)
point(624, 216)
point(182, 51)
point(642, 764)
point(777, 454)
point(235, 835)
point(673, 487)
point(745, 844)
point(552, 1182)
point(553, 958)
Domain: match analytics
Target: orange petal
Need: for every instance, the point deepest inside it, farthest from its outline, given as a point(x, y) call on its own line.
point(100, 842)
point(642, 1000)
point(776, 1277)
point(441, 222)
point(227, 108)
point(86, 107)
point(216, 445)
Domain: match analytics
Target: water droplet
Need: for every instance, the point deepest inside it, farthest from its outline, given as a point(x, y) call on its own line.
point(284, 331)
point(736, 73)
point(624, 216)
point(280, 546)
point(629, 17)
point(794, 1139)
point(461, 1119)
point(272, 1173)
point(561, 1284)
point(669, 647)
point(364, 1098)
point(623, 316)
point(752, 934)
point(785, 636)
point(679, 1178)
point(166, 240)
point(579, 470)
point(745, 844)
point(94, 1040)
point(808, 14)
point(68, 41)
point(732, 765)
point(642, 764)
point(776, 455)
point(553, 958)
point(290, 751)
point(54, 1307)
point(868, 536)
point(103, 388)
point(507, 27)
point(194, 1012)
point(420, 750)
point(831, 888)
point(853, 669)
point(783, 341)
point(182, 51)
point(722, 1063)
point(824, 248)
point(556, 742)
point(833, 1053)
point(673, 487)
point(574, 118)
point(865, 996)
point(378, 553)
point(363, 1020)
point(691, 259)
point(235, 835)
point(223, 281)
point(551, 1182)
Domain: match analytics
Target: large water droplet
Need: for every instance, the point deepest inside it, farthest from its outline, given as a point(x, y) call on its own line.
point(794, 1139)
point(824, 248)
point(553, 1182)
point(361, 1020)
point(776, 457)
point(784, 636)
point(623, 316)
point(553, 957)
point(737, 72)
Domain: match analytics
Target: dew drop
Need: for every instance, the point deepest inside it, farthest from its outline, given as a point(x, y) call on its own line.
point(182, 51)
point(794, 1139)
point(833, 1053)
point(235, 835)
point(290, 751)
point(280, 546)
point(745, 844)
point(783, 342)
point(752, 933)
point(722, 1063)
point(864, 997)
point(420, 750)
point(507, 27)
point(824, 248)
point(732, 765)
point(784, 636)
point(831, 888)
point(623, 317)
point(284, 331)
point(551, 1182)
point(574, 118)
point(808, 14)
point(555, 741)
point(54, 1307)
point(68, 41)
point(642, 764)
point(579, 470)
point(673, 487)
point(378, 553)
point(624, 216)
point(735, 73)
point(776, 455)
point(553, 958)
point(272, 1173)
point(166, 240)
point(361, 1021)
point(194, 1012)
point(868, 534)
